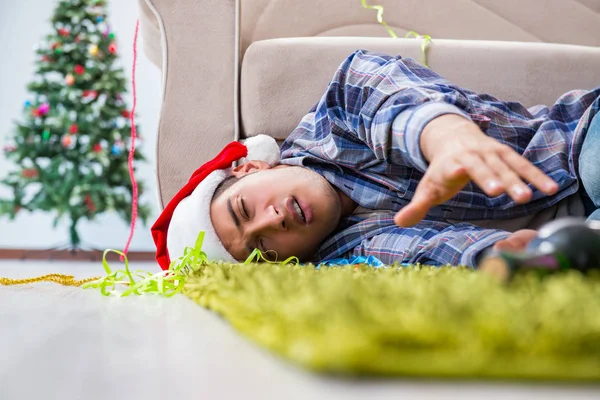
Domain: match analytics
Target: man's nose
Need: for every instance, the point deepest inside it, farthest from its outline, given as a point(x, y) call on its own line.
point(270, 219)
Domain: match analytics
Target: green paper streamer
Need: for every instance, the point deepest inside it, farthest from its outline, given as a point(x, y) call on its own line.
point(379, 10)
point(257, 257)
point(165, 283)
point(424, 45)
point(426, 38)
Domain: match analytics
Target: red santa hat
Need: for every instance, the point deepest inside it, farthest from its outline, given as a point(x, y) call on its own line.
point(188, 213)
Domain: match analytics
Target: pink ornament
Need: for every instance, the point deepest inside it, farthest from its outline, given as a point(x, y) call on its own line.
point(67, 141)
point(69, 79)
point(43, 109)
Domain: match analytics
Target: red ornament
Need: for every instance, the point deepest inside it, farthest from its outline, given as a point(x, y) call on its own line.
point(90, 93)
point(77, 39)
point(79, 69)
point(55, 45)
point(29, 173)
point(63, 32)
point(45, 58)
point(125, 113)
point(97, 148)
point(112, 48)
point(89, 203)
point(73, 129)
point(35, 112)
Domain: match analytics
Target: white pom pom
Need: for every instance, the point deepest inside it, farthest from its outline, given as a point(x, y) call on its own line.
point(262, 148)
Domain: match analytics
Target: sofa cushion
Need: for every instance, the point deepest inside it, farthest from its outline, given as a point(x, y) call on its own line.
point(281, 79)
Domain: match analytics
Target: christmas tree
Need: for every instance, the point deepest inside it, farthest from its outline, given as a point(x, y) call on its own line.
point(71, 146)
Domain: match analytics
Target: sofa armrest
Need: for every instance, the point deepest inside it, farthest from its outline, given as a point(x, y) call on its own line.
point(150, 32)
point(199, 58)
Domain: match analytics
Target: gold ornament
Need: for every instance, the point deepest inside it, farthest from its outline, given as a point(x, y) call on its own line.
point(93, 49)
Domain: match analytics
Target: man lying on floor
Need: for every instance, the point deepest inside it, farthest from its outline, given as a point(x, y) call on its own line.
point(396, 162)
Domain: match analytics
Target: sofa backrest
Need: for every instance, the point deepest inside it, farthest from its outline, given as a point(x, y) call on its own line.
point(552, 21)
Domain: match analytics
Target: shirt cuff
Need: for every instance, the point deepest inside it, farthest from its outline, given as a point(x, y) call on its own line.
point(419, 118)
point(471, 254)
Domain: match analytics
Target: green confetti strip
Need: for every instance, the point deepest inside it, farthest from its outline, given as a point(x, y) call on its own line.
point(258, 257)
point(424, 45)
point(379, 10)
point(426, 38)
point(165, 283)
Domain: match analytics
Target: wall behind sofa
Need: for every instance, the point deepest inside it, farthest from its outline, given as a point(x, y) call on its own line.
point(22, 25)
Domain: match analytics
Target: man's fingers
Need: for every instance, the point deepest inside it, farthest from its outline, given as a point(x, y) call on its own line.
point(439, 184)
point(517, 241)
point(512, 183)
point(528, 171)
point(426, 196)
point(411, 214)
point(481, 173)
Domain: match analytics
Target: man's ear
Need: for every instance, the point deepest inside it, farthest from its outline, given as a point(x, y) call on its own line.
point(249, 167)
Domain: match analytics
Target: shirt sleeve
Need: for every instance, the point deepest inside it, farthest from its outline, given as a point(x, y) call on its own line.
point(431, 243)
point(384, 102)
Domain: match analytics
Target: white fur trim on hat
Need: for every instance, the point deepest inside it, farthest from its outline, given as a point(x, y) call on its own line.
point(192, 215)
point(262, 148)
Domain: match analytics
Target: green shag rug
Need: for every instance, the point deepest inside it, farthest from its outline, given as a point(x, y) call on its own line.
point(413, 321)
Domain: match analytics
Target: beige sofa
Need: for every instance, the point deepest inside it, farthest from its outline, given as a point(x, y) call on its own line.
point(236, 68)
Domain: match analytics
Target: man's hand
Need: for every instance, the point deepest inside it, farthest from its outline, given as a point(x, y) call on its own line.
point(517, 241)
point(457, 152)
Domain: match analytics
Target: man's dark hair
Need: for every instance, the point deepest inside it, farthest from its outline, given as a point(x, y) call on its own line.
point(226, 184)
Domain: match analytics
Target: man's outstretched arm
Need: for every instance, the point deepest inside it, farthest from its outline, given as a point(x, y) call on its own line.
point(470, 155)
point(410, 116)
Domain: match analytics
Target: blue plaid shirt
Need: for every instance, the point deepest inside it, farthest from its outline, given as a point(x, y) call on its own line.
point(363, 137)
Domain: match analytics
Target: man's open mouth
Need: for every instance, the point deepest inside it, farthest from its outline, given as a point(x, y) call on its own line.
point(298, 211)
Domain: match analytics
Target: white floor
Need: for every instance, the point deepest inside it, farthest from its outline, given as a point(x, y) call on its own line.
point(68, 343)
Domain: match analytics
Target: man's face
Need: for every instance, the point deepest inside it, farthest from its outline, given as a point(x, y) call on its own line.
point(287, 211)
